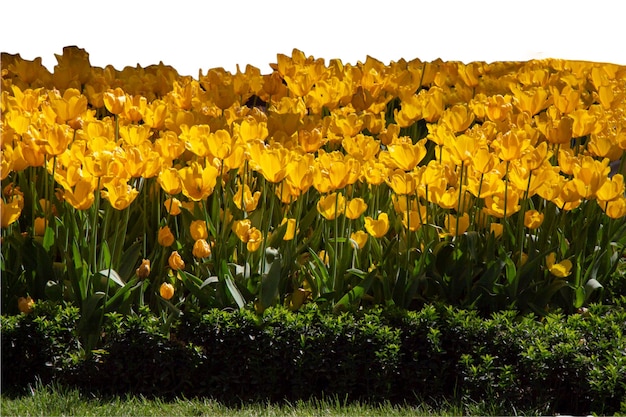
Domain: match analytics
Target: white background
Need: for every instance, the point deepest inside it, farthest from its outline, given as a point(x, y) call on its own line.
point(193, 35)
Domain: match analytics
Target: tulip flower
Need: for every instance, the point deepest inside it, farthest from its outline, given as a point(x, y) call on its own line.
point(533, 219)
point(82, 196)
point(201, 249)
point(165, 237)
point(561, 269)
point(114, 100)
point(11, 210)
point(144, 269)
point(198, 182)
point(359, 238)
point(377, 227)
point(245, 200)
point(173, 206)
point(331, 205)
point(355, 207)
point(198, 230)
point(290, 232)
point(401, 182)
point(175, 261)
point(119, 193)
point(25, 304)
point(405, 155)
point(615, 209)
point(166, 290)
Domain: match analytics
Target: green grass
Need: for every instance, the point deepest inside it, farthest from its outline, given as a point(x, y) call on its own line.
point(55, 401)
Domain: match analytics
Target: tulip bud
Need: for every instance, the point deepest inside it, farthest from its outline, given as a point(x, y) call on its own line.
point(25, 304)
point(176, 261)
point(201, 249)
point(40, 226)
point(165, 237)
point(166, 290)
point(144, 269)
point(198, 230)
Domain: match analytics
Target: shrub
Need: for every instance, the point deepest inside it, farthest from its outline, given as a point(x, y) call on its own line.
point(572, 364)
point(37, 346)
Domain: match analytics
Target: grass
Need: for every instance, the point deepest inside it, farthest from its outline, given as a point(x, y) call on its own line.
point(58, 401)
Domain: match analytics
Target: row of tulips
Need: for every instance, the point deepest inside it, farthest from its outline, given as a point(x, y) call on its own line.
point(484, 185)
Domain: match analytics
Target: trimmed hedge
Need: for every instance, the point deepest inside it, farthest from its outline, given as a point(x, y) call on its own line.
point(567, 364)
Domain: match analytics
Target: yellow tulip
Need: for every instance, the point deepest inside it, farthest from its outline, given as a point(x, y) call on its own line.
point(173, 206)
point(565, 100)
point(496, 229)
point(81, 197)
point(404, 154)
point(377, 227)
point(615, 209)
point(533, 219)
point(272, 163)
point(331, 205)
point(166, 290)
point(221, 144)
point(56, 138)
point(530, 100)
point(134, 135)
point(611, 189)
point(355, 207)
point(255, 239)
point(144, 269)
point(414, 219)
point(290, 232)
point(245, 200)
point(361, 147)
point(401, 182)
point(300, 171)
point(119, 193)
point(359, 238)
point(25, 304)
point(451, 222)
point(198, 182)
point(196, 139)
point(201, 249)
point(561, 269)
point(39, 227)
point(170, 181)
point(458, 118)
point(589, 175)
point(165, 237)
point(114, 100)
point(11, 210)
point(497, 206)
point(175, 261)
point(198, 230)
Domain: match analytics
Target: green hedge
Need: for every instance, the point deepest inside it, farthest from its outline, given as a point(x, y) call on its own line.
point(566, 364)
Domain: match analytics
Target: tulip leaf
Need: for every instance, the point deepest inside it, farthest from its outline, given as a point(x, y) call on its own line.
point(356, 293)
point(208, 281)
point(126, 266)
point(591, 286)
point(232, 287)
point(112, 275)
point(48, 238)
point(270, 283)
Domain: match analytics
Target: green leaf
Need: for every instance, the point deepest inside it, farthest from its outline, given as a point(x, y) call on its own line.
point(126, 267)
point(232, 287)
point(356, 293)
point(579, 297)
point(208, 281)
point(591, 286)
point(48, 238)
point(270, 283)
point(113, 276)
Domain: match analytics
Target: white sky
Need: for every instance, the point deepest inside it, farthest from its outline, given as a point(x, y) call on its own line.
point(202, 34)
